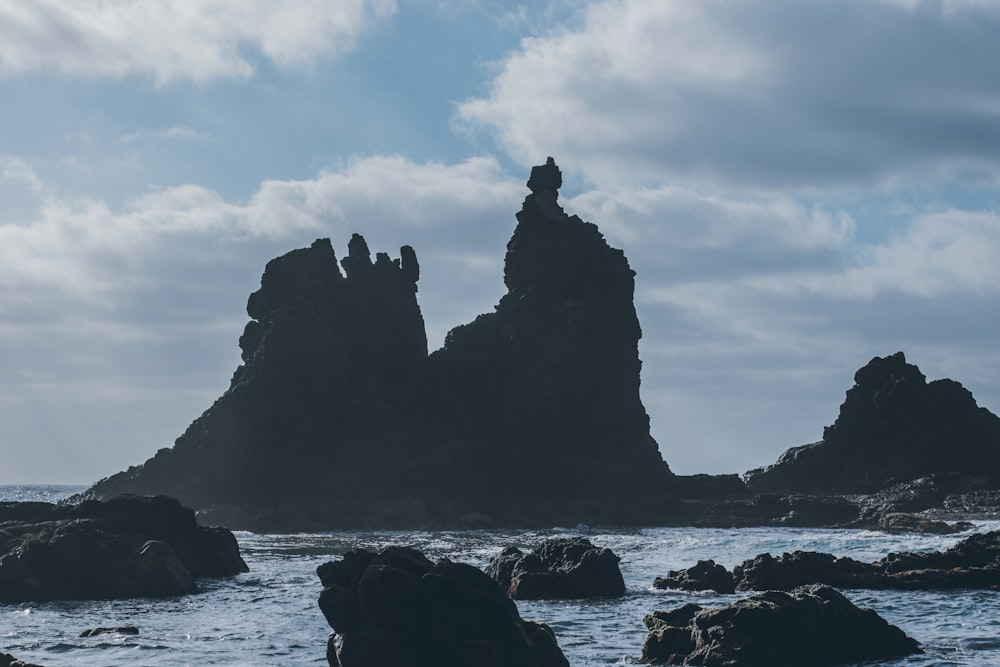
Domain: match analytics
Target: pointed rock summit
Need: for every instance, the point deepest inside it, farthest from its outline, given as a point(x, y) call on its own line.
point(338, 417)
point(894, 427)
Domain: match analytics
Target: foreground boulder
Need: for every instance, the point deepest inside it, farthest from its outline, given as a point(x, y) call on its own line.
point(566, 568)
point(972, 563)
point(126, 547)
point(339, 418)
point(894, 427)
point(814, 625)
point(398, 608)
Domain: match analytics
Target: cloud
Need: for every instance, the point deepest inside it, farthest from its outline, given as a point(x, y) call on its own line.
point(192, 40)
point(764, 94)
point(18, 171)
point(746, 302)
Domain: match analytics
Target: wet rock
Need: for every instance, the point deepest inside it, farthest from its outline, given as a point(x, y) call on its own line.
point(561, 568)
point(897, 522)
point(972, 563)
point(397, 607)
point(706, 575)
point(120, 630)
point(813, 625)
point(7, 660)
point(894, 427)
point(801, 568)
point(126, 547)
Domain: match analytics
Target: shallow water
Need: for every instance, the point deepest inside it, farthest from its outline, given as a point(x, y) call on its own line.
point(270, 616)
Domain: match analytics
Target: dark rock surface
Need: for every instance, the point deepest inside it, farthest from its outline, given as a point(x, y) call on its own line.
point(398, 608)
point(7, 660)
point(561, 568)
point(813, 625)
point(894, 427)
point(338, 418)
point(705, 575)
point(126, 547)
point(972, 563)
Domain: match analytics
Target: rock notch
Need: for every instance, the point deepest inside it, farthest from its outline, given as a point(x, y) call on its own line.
point(529, 415)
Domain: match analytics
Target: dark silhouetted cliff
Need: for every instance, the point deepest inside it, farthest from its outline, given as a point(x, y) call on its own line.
point(894, 427)
point(530, 415)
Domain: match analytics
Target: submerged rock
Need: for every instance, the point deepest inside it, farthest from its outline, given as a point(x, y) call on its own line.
point(120, 630)
point(894, 427)
point(813, 625)
point(126, 547)
point(560, 568)
point(398, 608)
point(338, 418)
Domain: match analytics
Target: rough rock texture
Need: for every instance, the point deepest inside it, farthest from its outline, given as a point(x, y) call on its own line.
point(705, 575)
point(814, 625)
point(893, 427)
point(126, 547)
point(972, 563)
point(337, 418)
point(561, 568)
point(398, 608)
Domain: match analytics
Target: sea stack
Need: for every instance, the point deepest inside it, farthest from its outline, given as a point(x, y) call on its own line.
point(894, 427)
point(338, 418)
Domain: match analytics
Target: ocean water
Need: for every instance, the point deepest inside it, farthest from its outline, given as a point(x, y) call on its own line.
point(269, 616)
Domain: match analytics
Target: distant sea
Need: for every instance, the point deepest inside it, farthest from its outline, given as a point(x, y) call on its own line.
point(269, 616)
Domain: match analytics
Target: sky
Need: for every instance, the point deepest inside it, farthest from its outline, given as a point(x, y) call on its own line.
point(800, 186)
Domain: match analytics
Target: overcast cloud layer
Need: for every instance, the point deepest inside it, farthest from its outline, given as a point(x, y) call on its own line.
point(800, 187)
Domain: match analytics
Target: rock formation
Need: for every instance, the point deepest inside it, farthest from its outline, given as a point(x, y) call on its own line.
point(972, 563)
point(559, 569)
point(529, 415)
point(398, 608)
point(126, 547)
point(894, 427)
point(705, 575)
point(813, 625)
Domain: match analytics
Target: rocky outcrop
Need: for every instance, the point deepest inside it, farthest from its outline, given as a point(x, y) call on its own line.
point(561, 568)
point(321, 406)
point(814, 625)
point(338, 418)
point(398, 608)
point(894, 427)
point(705, 575)
point(126, 547)
point(540, 398)
point(972, 563)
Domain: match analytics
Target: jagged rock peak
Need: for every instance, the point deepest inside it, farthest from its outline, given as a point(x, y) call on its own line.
point(545, 178)
point(893, 427)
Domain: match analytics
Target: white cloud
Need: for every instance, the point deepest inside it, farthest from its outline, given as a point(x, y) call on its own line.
point(18, 171)
point(196, 40)
point(763, 94)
